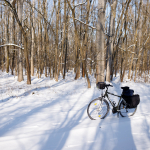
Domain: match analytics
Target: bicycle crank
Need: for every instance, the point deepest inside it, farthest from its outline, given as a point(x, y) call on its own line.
point(114, 110)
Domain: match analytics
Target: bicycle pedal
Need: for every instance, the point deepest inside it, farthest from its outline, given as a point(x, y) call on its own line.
point(114, 102)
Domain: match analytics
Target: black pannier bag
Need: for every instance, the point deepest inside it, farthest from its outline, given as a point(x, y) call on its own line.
point(101, 85)
point(127, 91)
point(132, 101)
point(125, 88)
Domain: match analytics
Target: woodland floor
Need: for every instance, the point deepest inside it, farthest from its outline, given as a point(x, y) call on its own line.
point(49, 115)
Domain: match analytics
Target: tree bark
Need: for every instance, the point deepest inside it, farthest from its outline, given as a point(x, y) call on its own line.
point(32, 42)
point(100, 42)
point(20, 53)
point(6, 40)
point(45, 39)
point(56, 41)
point(65, 41)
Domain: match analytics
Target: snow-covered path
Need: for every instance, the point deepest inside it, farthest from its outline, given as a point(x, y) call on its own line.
point(49, 115)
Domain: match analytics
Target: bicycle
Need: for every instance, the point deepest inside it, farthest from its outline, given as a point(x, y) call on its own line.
point(99, 107)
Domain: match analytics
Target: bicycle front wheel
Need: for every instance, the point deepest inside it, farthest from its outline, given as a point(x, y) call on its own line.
point(98, 109)
point(125, 111)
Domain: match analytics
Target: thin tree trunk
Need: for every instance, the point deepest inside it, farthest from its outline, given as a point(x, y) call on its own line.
point(32, 44)
point(20, 54)
point(56, 42)
point(135, 41)
point(45, 39)
point(85, 47)
point(109, 50)
point(65, 36)
point(6, 40)
point(140, 37)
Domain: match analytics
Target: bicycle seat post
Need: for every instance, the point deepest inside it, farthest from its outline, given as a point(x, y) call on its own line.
point(101, 93)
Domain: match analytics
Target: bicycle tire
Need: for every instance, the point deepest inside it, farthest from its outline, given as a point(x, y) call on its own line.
point(98, 109)
point(125, 111)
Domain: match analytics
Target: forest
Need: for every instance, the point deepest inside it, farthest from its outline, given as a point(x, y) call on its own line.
point(53, 54)
point(90, 37)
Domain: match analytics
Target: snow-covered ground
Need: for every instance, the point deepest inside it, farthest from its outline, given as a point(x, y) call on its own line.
point(49, 115)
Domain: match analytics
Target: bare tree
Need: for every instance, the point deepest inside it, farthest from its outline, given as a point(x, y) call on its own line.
point(20, 53)
point(33, 40)
point(13, 9)
point(100, 42)
point(6, 40)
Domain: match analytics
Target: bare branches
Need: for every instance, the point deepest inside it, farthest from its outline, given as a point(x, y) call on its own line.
point(71, 27)
point(41, 15)
point(13, 3)
point(16, 15)
point(80, 4)
point(85, 23)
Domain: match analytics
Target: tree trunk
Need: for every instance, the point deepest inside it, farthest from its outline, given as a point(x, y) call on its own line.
point(32, 42)
point(45, 39)
point(39, 41)
point(85, 47)
point(12, 40)
point(65, 37)
point(56, 42)
point(110, 40)
point(6, 40)
point(135, 41)
point(20, 54)
point(109, 49)
point(100, 42)
point(140, 50)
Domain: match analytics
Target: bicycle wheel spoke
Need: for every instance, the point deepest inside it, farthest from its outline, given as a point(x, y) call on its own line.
point(125, 111)
point(97, 109)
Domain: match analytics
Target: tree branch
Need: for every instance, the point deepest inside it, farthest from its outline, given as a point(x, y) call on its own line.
point(27, 1)
point(80, 4)
point(9, 44)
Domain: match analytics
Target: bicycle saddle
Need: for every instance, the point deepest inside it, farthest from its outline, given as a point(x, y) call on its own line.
point(125, 88)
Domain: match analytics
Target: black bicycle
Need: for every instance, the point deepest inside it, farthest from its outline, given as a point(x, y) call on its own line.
point(99, 107)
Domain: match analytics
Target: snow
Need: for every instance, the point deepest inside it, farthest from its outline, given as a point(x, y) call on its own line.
point(50, 115)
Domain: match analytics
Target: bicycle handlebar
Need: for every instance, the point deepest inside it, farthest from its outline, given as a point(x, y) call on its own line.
point(108, 85)
point(102, 85)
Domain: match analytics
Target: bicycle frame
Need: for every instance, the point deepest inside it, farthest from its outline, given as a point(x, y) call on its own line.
point(122, 107)
point(106, 95)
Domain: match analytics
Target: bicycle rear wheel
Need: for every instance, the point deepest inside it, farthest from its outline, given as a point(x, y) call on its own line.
point(125, 111)
point(98, 109)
